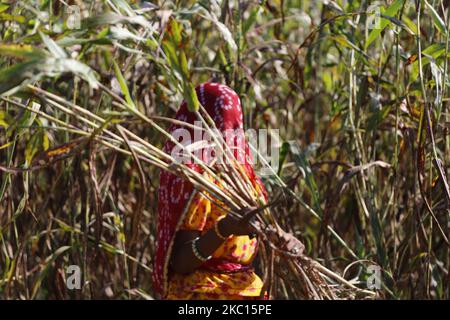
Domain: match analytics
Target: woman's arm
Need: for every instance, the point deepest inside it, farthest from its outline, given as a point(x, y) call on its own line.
point(183, 258)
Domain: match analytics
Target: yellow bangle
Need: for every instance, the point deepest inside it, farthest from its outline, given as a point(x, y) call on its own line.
point(216, 229)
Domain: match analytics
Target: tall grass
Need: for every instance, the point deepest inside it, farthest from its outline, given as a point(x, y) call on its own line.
point(363, 114)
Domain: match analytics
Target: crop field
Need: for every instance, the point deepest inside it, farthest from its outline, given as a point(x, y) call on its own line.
point(357, 90)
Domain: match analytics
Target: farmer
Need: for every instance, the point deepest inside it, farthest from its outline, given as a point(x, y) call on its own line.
point(203, 253)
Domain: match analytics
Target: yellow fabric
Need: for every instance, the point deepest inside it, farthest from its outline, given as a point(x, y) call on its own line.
point(203, 284)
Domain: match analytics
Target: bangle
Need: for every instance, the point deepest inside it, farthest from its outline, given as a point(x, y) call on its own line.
point(196, 252)
point(216, 229)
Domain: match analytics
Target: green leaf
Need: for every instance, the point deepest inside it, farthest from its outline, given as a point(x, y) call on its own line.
point(399, 23)
point(70, 41)
point(124, 6)
point(48, 262)
point(376, 118)
point(223, 29)
point(114, 19)
point(16, 75)
point(6, 145)
point(248, 23)
point(10, 17)
point(391, 11)
point(123, 85)
point(434, 51)
point(3, 122)
point(411, 25)
point(55, 66)
point(191, 97)
point(174, 31)
point(45, 141)
point(32, 148)
point(3, 7)
point(21, 51)
point(378, 235)
point(51, 45)
point(38, 64)
point(176, 56)
point(171, 54)
point(436, 18)
point(283, 155)
point(302, 163)
point(183, 65)
point(344, 41)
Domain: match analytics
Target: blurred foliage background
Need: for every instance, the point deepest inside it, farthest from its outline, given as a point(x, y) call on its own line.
point(358, 89)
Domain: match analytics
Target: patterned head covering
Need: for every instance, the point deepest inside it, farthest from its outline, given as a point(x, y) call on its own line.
point(175, 193)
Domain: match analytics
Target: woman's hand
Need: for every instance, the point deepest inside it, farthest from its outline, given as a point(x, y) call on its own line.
point(238, 227)
point(290, 243)
point(285, 240)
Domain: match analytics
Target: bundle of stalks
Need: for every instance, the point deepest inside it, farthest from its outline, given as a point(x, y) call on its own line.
point(232, 189)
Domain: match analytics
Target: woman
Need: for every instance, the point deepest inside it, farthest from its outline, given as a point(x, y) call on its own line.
point(202, 252)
